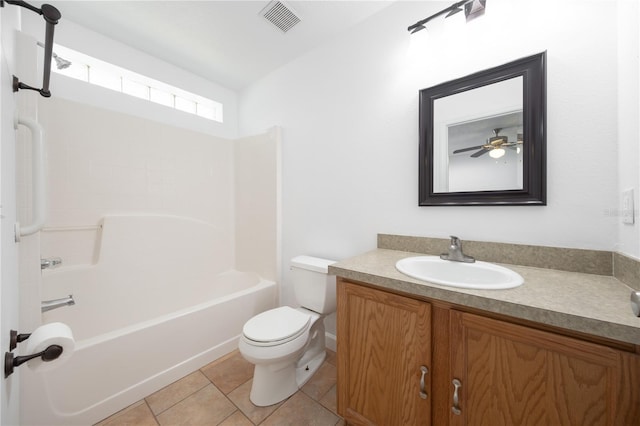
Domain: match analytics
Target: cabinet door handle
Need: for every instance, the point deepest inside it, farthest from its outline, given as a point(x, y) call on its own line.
point(424, 371)
point(456, 399)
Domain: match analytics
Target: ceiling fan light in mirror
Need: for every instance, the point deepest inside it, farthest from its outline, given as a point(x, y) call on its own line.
point(496, 153)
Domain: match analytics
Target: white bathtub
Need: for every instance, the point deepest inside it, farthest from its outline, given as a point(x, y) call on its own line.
point(154, 308)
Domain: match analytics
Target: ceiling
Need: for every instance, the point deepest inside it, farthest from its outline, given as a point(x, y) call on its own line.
point(227, 42)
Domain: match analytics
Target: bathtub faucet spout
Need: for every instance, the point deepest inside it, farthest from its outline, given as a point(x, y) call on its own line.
point(48, 305)
point(50, 262)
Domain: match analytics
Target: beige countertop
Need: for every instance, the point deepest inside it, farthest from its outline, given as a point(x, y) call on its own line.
point(588, 303)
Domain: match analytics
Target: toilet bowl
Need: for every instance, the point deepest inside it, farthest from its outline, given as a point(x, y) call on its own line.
point(287, 345)
point(280, 367)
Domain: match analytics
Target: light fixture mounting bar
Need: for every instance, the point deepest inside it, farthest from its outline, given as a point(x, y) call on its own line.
point(420, 24)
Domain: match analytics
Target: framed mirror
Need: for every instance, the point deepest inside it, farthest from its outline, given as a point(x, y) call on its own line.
point(483, 137)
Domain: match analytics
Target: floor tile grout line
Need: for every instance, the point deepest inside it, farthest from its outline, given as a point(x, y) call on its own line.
point(330, 411)
point(151, 411)
point(225, 419)
point(155, 416)
point(178, 402)
point(319, 397)
point(320, 402)
point(225, 394)
point(238, 409)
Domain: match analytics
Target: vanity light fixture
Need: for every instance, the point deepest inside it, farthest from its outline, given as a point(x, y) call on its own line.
point(497, 153)
point(472, 9)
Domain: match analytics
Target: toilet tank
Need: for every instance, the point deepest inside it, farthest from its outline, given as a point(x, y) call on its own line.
point(315, 289)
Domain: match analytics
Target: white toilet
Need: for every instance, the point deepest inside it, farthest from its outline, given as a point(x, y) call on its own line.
point(287, 345)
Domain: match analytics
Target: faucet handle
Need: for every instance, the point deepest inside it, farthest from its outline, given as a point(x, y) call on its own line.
point(50, 262)
point(455, 252)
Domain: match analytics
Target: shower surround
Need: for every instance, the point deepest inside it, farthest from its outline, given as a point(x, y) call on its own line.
point(161, 247)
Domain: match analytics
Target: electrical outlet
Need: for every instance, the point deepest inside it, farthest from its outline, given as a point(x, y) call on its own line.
point(628, 210)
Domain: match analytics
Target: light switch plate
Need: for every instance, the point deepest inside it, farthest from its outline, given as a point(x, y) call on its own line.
point(628, 210)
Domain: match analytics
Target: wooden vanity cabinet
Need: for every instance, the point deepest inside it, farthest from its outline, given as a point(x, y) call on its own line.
point(510, 374)
point(384, 357)
point(507, 373)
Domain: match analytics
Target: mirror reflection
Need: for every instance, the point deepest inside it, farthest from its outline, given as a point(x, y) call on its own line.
point(475, 140)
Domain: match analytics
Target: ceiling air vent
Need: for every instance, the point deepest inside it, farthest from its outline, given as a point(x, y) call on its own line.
point(280, 15)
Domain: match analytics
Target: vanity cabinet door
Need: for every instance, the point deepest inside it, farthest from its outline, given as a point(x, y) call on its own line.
point(628, 399)
point(383, 345)
point(514, 375)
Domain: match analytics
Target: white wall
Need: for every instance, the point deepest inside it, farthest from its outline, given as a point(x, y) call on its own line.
point(628, 139)
point(84, 40)
point(349, 113)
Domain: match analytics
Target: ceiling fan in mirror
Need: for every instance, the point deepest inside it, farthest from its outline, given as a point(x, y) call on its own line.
point(495, 146)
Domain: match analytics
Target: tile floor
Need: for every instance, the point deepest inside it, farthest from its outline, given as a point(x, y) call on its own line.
point(218, 394)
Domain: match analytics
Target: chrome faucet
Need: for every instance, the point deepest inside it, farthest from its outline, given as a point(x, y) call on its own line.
point(48, 305)
point(455, 252)
point(50, 262)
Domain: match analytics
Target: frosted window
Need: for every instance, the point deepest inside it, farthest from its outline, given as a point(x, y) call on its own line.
point(105, 79)
point(161, 97)
point(92, 70)
point(185, 105)
point(135, 88)
point(206, 112)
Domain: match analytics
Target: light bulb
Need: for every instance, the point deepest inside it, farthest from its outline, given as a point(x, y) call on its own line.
point(496, 153)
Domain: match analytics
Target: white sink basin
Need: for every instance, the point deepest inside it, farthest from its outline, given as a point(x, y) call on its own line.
point(478, 275)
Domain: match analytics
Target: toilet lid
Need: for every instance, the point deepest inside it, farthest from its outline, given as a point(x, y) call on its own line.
point(276, 324)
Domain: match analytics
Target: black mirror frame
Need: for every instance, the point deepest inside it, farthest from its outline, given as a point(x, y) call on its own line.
point(533, 71)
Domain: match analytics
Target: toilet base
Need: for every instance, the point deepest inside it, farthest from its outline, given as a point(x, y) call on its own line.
point(270, 387)
point(304, 372)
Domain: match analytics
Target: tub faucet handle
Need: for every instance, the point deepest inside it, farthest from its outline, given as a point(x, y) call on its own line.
point(50, 262)
point(48, 305)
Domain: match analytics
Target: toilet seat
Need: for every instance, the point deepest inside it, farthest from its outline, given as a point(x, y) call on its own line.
point(276, 326)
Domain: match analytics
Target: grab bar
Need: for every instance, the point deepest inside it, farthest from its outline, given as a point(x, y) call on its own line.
point(38, 156)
